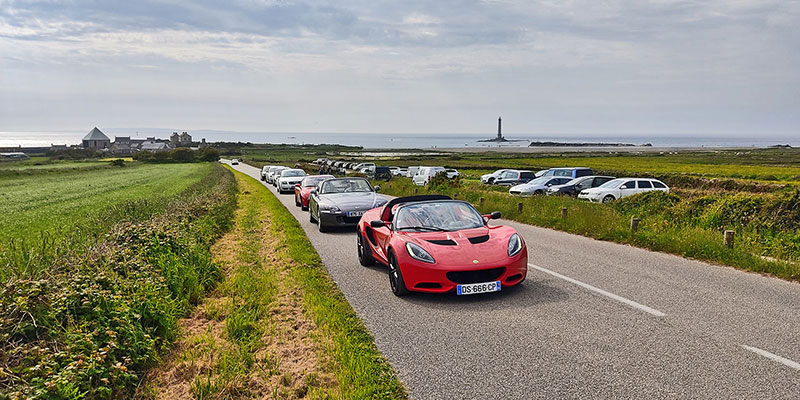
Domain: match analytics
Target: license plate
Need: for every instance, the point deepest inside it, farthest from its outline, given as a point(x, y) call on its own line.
point(355, 213)
point(475, 288)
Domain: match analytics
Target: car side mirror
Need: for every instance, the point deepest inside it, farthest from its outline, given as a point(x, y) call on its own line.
point(378, 188)
point(377, 223)
point(495, 215)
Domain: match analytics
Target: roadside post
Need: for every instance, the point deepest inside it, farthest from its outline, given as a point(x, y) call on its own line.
point(634, 224)
point(519, 207)
point(481, 200)
point(563, 212)
point(729, 239)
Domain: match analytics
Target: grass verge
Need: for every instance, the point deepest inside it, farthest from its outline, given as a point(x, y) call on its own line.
point(277, 327)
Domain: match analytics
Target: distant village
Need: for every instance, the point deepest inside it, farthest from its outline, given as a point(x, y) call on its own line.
point(122, 145)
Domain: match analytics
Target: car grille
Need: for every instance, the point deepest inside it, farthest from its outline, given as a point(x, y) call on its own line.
point(477, 276)
point(348, 220)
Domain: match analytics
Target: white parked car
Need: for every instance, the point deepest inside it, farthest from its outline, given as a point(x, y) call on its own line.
point(358, 167)
point(289, 179)
point(621, 187)
point(274, 172)
point(452, 173)
point(537, 186)
point(264, 171)
point(425, 174)
point(490, 178)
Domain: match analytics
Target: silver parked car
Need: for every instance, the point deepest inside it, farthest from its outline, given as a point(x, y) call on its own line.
point(342, 201)
point(538, 186)
point(289, 178)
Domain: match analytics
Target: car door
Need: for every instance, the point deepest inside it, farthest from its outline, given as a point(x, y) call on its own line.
point(507, 178)
point(643, 186)
point(627, 189)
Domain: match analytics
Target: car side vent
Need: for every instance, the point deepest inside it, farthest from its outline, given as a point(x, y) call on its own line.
point(478, 239)
point(444, 242)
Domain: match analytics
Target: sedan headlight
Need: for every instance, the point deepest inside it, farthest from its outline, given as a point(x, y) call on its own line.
point(418, 253)
point(514, 245)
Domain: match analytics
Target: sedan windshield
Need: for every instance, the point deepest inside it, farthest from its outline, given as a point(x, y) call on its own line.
point(540, 181)
point(612, 184)
point(444, 216)
point(293, 172)
point(345, 186)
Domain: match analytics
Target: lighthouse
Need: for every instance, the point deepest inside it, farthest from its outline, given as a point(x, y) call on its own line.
point(499, 128)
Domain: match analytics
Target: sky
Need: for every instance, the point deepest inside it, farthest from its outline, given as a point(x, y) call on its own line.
point(713, 67)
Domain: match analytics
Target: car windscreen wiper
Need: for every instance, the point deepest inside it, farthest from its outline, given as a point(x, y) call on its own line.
point(419, 228)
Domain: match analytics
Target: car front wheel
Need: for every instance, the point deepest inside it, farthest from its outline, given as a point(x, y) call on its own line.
point(396, 281)
point(608, 199)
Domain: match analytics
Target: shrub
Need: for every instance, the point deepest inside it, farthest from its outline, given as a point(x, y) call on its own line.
point(182, 154)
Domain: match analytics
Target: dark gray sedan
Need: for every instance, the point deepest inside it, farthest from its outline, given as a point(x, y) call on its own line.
point(341, 202)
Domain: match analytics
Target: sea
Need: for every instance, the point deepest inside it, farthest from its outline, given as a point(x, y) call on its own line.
point(404, 140)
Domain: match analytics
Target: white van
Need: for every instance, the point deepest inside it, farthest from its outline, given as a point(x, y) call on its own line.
point(411, 171)
point(425, 174)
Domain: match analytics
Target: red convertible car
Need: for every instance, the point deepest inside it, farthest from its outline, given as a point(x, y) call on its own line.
point(307, 185)
point(435, 244)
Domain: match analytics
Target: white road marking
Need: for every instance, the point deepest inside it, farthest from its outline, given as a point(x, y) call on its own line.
point(597, 290)
point(774, 357)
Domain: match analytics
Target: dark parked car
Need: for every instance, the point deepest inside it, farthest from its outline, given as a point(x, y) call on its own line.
point(514, 177)
point(380, 173)
point(576, 172)
point(342, 202)
point(573, 187)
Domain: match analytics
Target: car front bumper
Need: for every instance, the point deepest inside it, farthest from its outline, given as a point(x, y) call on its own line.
point(443, 278)
point(338, 219)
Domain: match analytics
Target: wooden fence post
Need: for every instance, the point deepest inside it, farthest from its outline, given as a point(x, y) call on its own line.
point(563, 212)
point(634, 224)
point(729, 239)
point(519, 207)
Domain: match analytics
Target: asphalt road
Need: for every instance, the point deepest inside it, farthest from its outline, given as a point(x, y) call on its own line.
point(592, 320)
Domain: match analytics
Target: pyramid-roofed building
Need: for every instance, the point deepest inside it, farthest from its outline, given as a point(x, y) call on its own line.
point(96, 139)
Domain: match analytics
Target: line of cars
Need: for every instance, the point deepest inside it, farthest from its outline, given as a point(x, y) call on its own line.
point(429, 243)
point(577, 182)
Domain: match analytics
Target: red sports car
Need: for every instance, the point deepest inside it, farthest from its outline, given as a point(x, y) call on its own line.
point(435, 244)
point(307, 185)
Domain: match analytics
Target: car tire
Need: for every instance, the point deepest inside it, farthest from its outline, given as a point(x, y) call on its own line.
point(321, 226)
point(302, 207)
point(490, 181)
point(396, 282)
point(364, 252)
point(311, 217)
point(538, 193)
point(608, 199)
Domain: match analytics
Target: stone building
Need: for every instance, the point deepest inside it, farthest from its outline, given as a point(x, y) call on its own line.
point(180, 140)
point(96, 139)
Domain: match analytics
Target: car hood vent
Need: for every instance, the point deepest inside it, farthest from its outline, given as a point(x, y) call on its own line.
point(478, 239)
point(443, 242)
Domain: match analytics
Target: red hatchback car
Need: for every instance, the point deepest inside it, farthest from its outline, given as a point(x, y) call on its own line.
point(435, 244)
point(307, 185)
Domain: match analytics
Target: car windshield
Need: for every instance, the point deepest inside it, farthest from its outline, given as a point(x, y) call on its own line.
point(575, 181)
point(293, 172)
point(315, 180)
point(438, 216)
point(612, 184)
point(539, 181)
point(345, 186)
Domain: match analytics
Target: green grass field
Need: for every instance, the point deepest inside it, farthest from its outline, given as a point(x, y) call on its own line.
point(48, 214)
point(45, 202)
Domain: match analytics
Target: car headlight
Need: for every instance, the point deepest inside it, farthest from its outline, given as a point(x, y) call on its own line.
point(514, 245)
point(418, 253)
point(327, 208)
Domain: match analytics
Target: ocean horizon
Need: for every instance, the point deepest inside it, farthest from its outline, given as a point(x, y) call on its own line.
point(401, 140)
